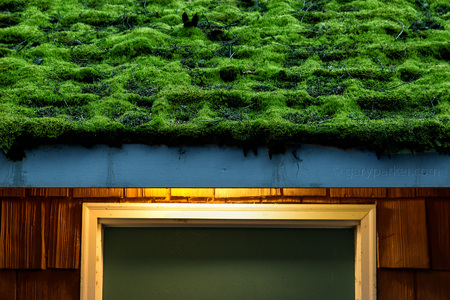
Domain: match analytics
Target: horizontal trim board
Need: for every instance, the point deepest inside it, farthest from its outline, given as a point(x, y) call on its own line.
point(226, 223)
point(174, 211)
point(213, 166)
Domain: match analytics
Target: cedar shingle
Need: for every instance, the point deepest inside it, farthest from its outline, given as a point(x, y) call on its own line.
point(433, 285)
point(402, 233)
point(63, 233)
point(8, 285)
point(192, 192)
point(49, 285)
point(21, 234)
point(12, 192)
point(146, 192)
point(305, 192)
point(438, 219)
point(358, 192)
point(433, 192)
point(98, 193)
point(50, 192)
point(395, 284)
point(401, 192)
point(252, 192)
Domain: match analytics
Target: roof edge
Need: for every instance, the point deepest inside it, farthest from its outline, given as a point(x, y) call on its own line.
point(138, 165)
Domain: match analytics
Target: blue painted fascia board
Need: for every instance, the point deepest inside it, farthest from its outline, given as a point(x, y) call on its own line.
point(212, 166)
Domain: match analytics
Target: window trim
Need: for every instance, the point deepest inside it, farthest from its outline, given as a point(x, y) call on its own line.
point(98, 215)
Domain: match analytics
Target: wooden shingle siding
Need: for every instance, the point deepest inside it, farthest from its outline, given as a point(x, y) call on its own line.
point(58, 192)
point(8, 284)
point(395, 284)
point(22, 234)
point(41, 229)
point(63, 233)
point(432, 192)
point(401, 192)
point(48, 285)
point(402, 233)
point(438, 218)
point(433, 285)
point(238, 193)
point(98, 193)
point(12, 192)
point(49, 192)
point(358, 192)
point(146, 193)
point(305, 192)
point(192, 193)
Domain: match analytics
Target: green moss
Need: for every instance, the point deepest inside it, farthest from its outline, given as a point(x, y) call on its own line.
point(233, 98)
point(12, 126)
point(368, 74)
point(18, 33)
point(226, 14)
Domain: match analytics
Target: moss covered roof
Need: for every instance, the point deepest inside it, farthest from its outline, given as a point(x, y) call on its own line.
point(366, 73)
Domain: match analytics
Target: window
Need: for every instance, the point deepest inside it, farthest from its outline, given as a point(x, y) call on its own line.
point(97, 216)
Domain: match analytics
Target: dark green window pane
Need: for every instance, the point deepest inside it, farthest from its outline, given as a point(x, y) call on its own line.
point(228, 263)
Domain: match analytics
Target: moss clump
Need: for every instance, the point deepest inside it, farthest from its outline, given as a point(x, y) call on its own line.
point(366, 74)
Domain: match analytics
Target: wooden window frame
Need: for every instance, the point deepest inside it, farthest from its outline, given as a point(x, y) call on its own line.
point(98, 215)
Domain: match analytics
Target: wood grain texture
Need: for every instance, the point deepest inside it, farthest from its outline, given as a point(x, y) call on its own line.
point(22, 243)
point(401, 192)
point(63, 233)
point(49, 285)
point(97, 193)
point(433, 285)
point(49, 192)
point(358, 192)
point(146, 193)
point(402, 233)
point(8, 284)
point(304, 192)
point(438, 218)
point(192, 193)
point(433, 192)
point(12, 192)
point(242, 193)
point(395, 284)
